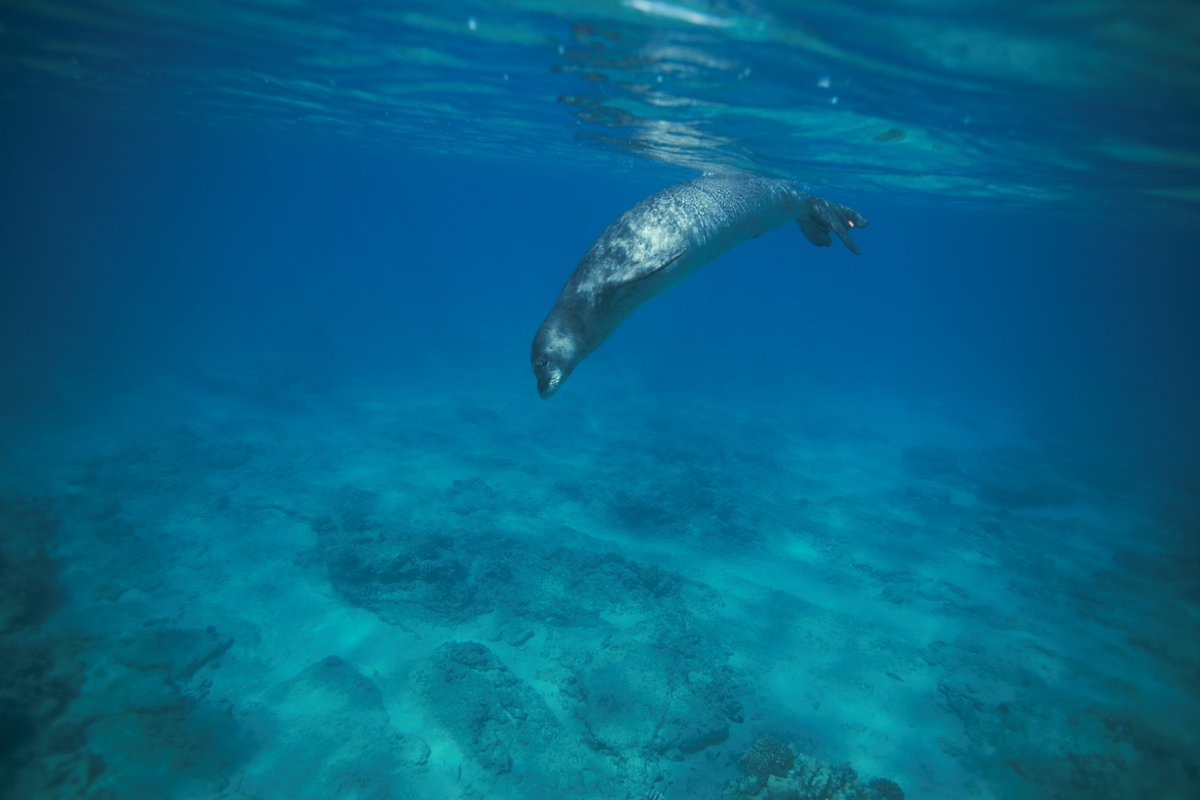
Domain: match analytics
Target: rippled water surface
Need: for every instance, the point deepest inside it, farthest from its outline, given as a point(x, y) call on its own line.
point(1073, 102)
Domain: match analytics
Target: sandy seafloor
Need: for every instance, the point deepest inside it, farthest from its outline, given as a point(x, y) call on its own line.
point(247, 583)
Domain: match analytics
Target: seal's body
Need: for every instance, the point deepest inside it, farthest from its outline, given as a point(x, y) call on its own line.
point(659, 242)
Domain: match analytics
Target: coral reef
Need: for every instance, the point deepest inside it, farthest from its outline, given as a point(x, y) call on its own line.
point(885, 789)
point(773, 771)
point(767, 757)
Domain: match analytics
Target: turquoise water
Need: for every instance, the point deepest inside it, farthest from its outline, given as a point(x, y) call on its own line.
point(283, 515)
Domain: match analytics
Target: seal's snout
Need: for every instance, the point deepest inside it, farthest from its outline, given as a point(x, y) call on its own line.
point(548, 385)
point(551, 357)
point(549, 375)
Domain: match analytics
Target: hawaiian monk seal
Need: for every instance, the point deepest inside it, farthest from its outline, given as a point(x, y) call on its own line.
point(661, 241)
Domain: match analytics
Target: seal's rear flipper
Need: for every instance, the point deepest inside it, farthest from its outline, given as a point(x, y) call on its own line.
point(814, 232)
point(824, 216)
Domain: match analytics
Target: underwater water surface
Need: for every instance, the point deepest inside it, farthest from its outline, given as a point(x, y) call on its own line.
point(283, 516)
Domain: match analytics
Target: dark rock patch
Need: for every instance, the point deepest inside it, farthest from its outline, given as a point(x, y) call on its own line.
point(505, 727)
point(178, 653)
point(775, 771)
point(398, 576)
point(454, 576)
point(467, 496)
point(328, 726)
point(889, 135)
point(29, 587)
point(17, 726)
point(355, 510)
point(656, 687)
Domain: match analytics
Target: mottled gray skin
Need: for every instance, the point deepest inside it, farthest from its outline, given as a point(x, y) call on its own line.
point(661, 241)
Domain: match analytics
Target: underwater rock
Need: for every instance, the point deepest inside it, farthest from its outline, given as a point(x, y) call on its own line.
point(672, 498)
point(355, 510)
point(767, 756)
point(521, 638)
point(17, 727)
point(688, 498)
point(29, 587)
point(657, 688)
point(488, 711)
point(339, 684)
point(452, 577)
point(197, 742)
point(403, 576)
point(1100, 755)
point(328, 727)
point(139, 701)
point(885, 789)
point(472, 495)
point(505, 727)
point(178, 652)
point(816, 780)
point(776, 772)
point(39, 679)
point(613, 581)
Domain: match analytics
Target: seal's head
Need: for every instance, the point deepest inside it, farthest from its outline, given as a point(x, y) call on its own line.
point(553, 355)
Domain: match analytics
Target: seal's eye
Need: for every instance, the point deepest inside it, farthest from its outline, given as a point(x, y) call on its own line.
point(541, 363)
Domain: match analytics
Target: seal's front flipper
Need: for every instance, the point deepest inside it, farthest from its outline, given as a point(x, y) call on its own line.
point(824, 216)
point(652, 268)
point(636, 278)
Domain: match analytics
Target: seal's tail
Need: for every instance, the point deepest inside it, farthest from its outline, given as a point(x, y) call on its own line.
point(824, 216)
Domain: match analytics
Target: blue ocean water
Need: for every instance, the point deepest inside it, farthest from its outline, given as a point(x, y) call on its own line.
point(281, 511)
